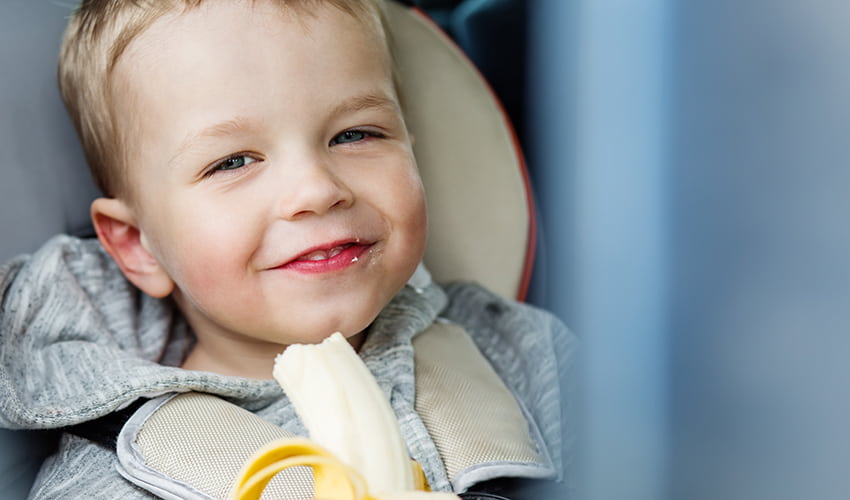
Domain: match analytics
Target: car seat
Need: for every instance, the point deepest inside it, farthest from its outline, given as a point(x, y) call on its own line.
point(481, 220)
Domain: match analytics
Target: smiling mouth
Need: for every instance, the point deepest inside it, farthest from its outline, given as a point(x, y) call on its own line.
point(334, 257)
point(317, 255)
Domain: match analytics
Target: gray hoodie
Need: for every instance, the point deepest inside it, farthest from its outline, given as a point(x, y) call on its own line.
point(78, 342)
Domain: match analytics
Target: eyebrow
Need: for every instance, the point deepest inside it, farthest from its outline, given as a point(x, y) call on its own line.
point(223, 129)
point(365, 101)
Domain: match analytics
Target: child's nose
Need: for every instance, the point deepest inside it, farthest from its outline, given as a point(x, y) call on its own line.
point(313, 188)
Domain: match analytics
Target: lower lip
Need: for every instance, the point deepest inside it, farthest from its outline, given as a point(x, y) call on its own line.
point(347, 258)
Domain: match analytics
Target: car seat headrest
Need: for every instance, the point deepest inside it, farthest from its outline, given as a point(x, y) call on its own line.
point(481, 219)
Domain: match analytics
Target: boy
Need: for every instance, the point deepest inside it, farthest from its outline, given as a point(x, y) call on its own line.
point(259, 177)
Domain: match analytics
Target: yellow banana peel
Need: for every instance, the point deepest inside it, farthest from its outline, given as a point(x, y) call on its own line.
point(332, 479)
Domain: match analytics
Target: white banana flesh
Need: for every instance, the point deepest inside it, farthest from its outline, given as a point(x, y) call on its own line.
point(345, 410)
point(347, 413)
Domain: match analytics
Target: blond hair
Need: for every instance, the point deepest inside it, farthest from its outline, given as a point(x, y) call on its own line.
point(98, 34)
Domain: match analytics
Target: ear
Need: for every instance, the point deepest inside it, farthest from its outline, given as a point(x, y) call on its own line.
point(118, 232)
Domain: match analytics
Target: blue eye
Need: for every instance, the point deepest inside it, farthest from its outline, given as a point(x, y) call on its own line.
point(233, 163)
point(356, 135)
point(349, 136)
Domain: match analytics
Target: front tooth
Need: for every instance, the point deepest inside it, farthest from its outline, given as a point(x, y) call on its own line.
point(334, 252)
point(317, 255)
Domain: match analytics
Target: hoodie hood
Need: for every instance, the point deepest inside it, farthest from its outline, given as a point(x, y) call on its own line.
point(78, 341)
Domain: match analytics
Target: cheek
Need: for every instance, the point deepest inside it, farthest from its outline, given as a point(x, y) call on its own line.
point(412, 199)
point(209, 250)
point(410, 215)
point(418, 223)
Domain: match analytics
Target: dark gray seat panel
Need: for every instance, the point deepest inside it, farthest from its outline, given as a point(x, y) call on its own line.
point(44, 184)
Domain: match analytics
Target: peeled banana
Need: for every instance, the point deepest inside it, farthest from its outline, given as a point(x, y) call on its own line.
point(356, 448)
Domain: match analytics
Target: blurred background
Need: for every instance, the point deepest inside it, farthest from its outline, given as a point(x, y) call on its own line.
point(690, 165)
point(690, 161)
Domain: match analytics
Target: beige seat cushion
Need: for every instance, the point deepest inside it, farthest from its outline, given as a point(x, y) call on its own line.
point(480, 225)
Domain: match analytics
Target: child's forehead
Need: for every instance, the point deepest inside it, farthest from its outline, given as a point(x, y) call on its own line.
point(297, 24)
point(288, 28)
point(281, 14)
point(309, 18)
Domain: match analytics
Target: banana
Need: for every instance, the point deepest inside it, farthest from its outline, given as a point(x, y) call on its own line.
point(345, 411)
point(356, 448)
point(332, 479)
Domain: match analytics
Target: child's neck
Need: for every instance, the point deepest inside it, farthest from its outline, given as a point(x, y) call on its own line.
point(247, 365)
point(256, 363)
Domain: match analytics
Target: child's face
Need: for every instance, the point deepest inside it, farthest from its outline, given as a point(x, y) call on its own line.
point(272, 174)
